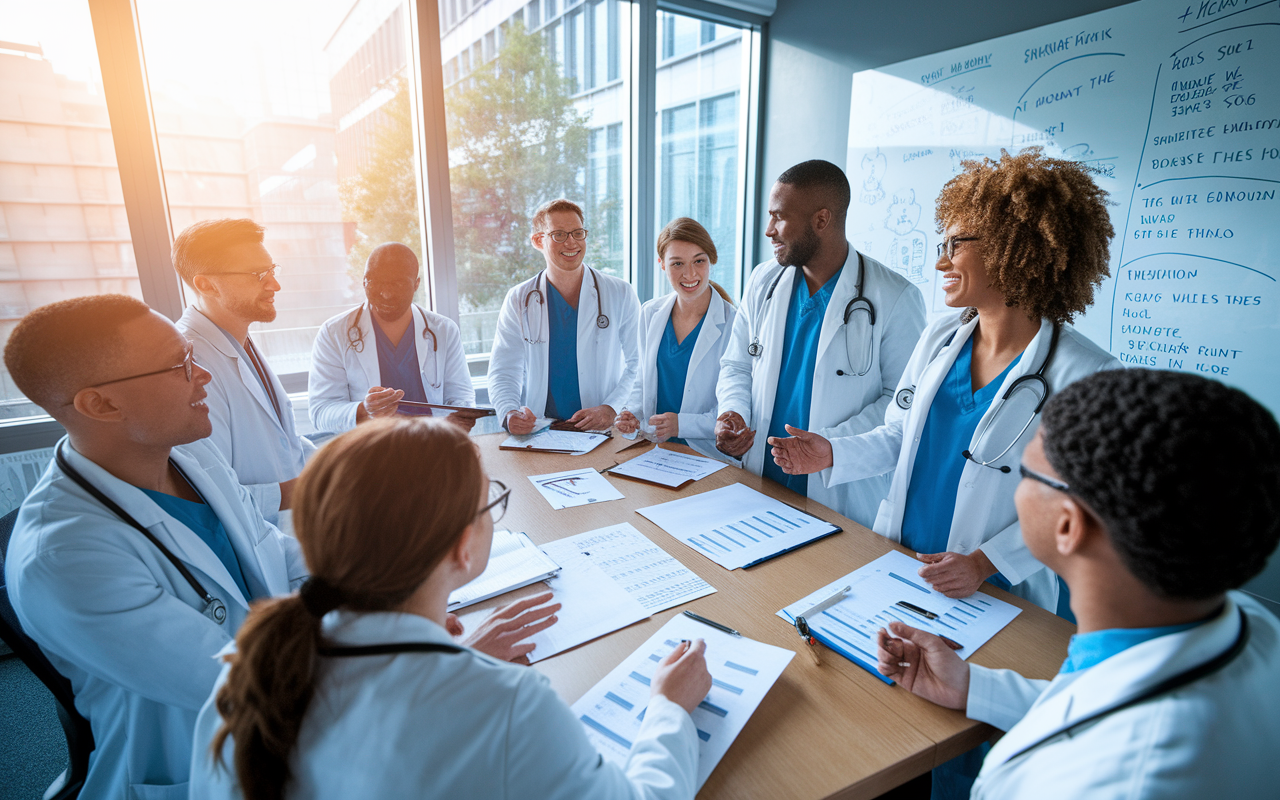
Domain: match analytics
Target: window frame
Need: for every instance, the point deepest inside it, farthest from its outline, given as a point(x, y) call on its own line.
point(133, 128)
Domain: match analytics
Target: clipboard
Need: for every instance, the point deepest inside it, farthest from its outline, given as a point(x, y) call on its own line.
point(533, 447)
point(468, 411)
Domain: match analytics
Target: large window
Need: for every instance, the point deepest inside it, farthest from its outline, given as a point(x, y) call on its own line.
point(702, 70)
point(63, 229)
point(548, 117)
point(299, 121)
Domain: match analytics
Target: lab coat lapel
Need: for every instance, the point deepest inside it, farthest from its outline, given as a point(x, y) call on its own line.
point(181, 541)
point(931, 381)
point(1115, 680)
point(712, 330)
point(764, 387)
point(537, 320)
point(589, 372)
point(844, 291)
point(653, 338)
point(1032, 357)
point(367, 358)
point(423, 346)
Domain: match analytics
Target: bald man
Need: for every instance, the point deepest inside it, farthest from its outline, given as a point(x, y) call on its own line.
point(110, 607)
point(377, 358)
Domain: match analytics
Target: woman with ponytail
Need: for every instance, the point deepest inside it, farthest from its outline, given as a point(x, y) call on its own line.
point(354, 687)
point(682, 336)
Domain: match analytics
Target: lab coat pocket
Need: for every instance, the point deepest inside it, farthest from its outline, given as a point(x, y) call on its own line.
point(155, 791)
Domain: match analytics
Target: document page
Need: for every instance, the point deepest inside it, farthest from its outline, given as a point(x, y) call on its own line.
point(887, 590)
point(668, 468)
point(736, 526)
point(742, 672)
point(594, 604)
point(514, 561)
point(572, 442)
point(576, 487)
point(646, 571)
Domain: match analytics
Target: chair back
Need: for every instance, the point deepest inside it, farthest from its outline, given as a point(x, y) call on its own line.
point(79, 734)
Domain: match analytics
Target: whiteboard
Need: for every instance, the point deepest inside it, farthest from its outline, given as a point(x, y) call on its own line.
point(1177, 104)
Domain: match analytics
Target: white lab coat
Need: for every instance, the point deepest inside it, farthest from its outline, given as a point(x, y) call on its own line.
point(263, 449)
point(342, 372)
point(1216, 737)
point(121, 623)
point(607, 357)
point(984, 517)
point(842, 405)
point(451, 725)
point(697, 417)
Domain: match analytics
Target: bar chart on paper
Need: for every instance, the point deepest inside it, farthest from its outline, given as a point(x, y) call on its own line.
point(889, 590)
point(736, 526)
point(742, 672)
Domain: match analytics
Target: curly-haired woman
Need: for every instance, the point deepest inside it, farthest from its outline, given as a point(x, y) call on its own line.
point(1025, 243)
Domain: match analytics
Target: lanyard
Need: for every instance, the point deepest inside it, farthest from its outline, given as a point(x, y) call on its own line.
point(388, 649)
point(263, 376)
point(213, 607)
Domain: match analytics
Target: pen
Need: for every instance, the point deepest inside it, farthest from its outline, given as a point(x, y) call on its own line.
point(924, 612)
point(827, 602)
point(806, 636)
point(715, 625)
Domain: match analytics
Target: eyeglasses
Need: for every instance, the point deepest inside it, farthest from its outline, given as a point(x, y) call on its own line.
point(262, 275)
point(1052, 483)
point(948, 245)
point(563, 236)
point(499, 495)
point(186, 365)
point(399, 286)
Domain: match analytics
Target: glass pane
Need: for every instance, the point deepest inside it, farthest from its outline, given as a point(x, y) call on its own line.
point(540, 121)
point(63, 230)
point(299, 121)
point(700, 124)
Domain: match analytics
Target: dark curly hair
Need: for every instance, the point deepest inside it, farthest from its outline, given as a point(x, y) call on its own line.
point(1183, 471)
point(1044, 229)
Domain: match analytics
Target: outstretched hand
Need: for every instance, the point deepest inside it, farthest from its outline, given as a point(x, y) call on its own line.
point(801, 453)
point(924, 665)
point(503, 634)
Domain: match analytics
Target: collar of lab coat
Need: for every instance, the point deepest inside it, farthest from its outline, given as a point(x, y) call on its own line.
point(1115, 680)
point(180, 539)
point(846, 289)
point(359, 628)
point(713, 325)
point(208, 330)
point(368, 357)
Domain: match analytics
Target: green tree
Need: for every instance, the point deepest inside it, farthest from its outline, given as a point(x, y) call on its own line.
point(383, 198)
point(515, 141)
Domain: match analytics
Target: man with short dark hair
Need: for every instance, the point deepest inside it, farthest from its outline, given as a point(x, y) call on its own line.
point(233, 278)
point(567, 344)
point(821, 338)
point(1153, 494)
point(110, 607)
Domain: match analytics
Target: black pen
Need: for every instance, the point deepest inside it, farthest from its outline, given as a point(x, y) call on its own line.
point(924, 612)
point(715, 625)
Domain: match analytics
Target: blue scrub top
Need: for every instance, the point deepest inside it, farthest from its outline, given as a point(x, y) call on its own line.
point(673, 369)
point(1089, 649)
point(794, 394)
point(935, 478)
point(398, 368)
point(563, 398)
point(201, 519)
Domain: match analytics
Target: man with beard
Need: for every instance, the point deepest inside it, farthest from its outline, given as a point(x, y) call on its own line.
point(377, 358)
point(817, 347)
point(233, 279)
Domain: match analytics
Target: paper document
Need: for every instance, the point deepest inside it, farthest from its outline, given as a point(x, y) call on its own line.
point(742, 671)
point(514, 562)
point(668, 468)
point(594, 604)
point(877, 589)
point(550, 441)
point(736, 526)
point(646, 571)
point(577, 487)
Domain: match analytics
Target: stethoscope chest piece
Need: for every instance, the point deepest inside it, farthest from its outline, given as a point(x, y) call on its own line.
point(754, 349)
point(216, 611)
point(904, 398)
point(602, 321)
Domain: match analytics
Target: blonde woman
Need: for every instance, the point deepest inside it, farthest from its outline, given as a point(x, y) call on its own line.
point(682, 336)
point(354, 688)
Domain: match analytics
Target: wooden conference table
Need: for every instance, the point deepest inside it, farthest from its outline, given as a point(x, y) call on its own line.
point(822, 731)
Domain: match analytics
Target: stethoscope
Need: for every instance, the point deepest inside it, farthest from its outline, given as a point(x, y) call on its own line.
point(1166, 686)
point(214, 608)
point(602, 319)
point(865, 320)
point(355, 338)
